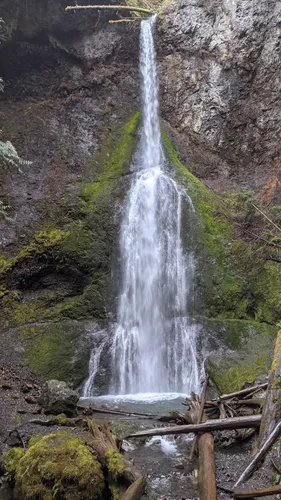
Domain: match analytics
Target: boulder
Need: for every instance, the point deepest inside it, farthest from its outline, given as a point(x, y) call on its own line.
point(57, 397)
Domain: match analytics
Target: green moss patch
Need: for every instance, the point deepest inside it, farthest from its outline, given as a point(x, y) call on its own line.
point(58, 465)
point(57, 351)
point(79, 248)
point(251, 345)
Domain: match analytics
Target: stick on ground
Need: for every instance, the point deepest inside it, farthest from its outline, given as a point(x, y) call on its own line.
point(263, 492)
point(260, 455)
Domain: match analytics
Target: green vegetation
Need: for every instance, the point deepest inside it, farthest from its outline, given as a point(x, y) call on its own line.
point(10, 460)
point(59, 464)
point(252, 346)
point(78, 251)
point(114, 463)
point(55, 351)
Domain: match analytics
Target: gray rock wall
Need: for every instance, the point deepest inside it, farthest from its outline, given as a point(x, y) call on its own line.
point(220, 66)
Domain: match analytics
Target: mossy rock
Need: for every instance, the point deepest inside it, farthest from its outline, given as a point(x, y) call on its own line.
point(57, 350)
point(69, 263)
point(61, 466)
point(252, 346)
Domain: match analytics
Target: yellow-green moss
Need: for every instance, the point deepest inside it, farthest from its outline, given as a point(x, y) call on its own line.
point(114, 463)
point(58, 464)
point(110, 164)
point(45, 239)
point(230, 379)
point(252, 347)
point(10, 460)
point(53, 351)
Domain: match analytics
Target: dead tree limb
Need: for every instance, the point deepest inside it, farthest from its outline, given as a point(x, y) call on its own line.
point(243, 392)
point(260, 455)
point(263, 492)
point(110, 7)
point(95, 409)
point(202, 404)
point(135, 491)
point(209, 426)
point(207, 473)
point(126, 20)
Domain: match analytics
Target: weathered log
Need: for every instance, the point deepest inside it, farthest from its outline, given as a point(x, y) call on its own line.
point(98, 409)
point(200, 416)
point(243, 392)
point(207, 474)
point(271, 414)
point(110, 7)
point(135, 491)
point(209, 426)
point(102, 441)
point(263, 492)
point(126, 20)
point(260, 455)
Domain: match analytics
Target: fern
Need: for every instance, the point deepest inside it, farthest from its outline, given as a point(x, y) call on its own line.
point(9, 156)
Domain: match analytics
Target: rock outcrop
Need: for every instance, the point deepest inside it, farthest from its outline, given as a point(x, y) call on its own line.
point(220, 66)
point(57, 398)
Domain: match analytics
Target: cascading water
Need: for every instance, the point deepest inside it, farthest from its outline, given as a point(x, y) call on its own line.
point(154, 344)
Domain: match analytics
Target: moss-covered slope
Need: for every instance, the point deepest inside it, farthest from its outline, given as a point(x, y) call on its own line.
point(63, 272)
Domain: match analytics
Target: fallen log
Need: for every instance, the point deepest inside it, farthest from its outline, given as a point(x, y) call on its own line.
point(263, 492)
point(243, 392)
point(209, 426)
point(207, 473)
point(98, 409)
point(110, 7)
point(260, 455)
point(101, 442)
point(135, 491)
point(200, 416)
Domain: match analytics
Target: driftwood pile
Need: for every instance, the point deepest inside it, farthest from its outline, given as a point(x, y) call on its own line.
point(245, 409)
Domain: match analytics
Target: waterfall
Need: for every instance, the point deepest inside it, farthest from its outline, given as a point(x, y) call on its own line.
point(154, 343)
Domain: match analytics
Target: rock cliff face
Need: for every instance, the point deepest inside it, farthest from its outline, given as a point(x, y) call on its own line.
point(71, 107)
point(220, 63)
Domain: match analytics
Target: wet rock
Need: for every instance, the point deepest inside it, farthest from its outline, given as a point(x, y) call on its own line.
point(30, 400)
point(56, 398)
point(26, 387)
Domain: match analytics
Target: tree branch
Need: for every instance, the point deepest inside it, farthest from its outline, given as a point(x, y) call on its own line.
point(110, 7)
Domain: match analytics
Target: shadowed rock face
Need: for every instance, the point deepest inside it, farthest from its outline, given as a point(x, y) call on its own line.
point(220, 69)
point(71, 80)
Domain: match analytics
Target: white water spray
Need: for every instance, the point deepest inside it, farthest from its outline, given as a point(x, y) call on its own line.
point(154, 345)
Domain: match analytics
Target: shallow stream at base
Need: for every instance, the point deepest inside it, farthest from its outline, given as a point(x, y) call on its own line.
point(163, 460)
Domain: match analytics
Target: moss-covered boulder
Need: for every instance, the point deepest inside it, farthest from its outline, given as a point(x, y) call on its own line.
point(243, 352)
point(56, 466)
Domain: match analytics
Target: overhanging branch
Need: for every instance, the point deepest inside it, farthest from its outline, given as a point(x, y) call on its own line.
point(110, 7)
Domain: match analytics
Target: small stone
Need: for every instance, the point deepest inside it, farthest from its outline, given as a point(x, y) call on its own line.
point(6, 386)
point(30, 400)
point(25, 387)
